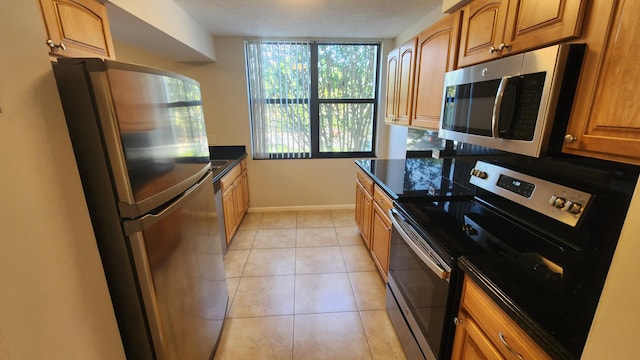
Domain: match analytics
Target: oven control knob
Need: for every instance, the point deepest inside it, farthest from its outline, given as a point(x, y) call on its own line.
point(479, 173)
point(557, 201)
point(469, 230)
point(573, 207)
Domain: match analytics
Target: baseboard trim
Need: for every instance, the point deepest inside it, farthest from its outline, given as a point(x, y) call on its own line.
point(301, 208)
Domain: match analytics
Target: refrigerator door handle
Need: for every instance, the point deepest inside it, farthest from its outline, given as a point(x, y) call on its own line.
point(148, 289)
point(136, 225)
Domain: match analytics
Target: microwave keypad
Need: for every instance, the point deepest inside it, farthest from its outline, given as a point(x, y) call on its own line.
point(530, 90)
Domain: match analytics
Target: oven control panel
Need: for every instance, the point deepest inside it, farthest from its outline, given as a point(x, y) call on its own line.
point(560, 202)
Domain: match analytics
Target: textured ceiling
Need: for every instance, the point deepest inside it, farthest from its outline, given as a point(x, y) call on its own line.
point(308, 18)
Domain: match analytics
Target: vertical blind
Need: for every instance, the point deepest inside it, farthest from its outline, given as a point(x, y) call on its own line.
point(279, 84)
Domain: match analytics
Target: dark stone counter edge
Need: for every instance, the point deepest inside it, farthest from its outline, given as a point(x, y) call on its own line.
point(234, 154)
point(539, 335)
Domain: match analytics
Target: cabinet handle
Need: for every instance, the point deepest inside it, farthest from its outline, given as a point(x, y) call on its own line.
point(492, 50)
point(509, 347)
point(54, 45)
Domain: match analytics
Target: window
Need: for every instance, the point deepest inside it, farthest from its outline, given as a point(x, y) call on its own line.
point(312, 100)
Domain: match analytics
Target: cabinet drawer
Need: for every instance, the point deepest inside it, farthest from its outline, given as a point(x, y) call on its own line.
point(365, 180)
point(494, 322)
point(383, 200)
point(227, 181)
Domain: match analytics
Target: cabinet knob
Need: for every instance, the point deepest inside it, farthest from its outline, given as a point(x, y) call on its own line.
point(54, 45)
point(503, 46)
point(568, 139)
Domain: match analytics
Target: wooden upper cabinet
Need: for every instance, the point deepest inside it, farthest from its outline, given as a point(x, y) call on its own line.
point(400, 70)
point(77, 28)
point(406, 65)
point(495, 28)
point(436, 53)
point(482, 29)
point(534, 23)
point(392, 75)
point(605, 120)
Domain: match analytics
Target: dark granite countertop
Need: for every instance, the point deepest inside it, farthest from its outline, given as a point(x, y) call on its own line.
point(223, 159)
point(421, 176)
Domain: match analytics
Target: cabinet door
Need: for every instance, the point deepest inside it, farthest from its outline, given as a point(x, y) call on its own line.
point(470, 343)
point(229, 210)
point(604, 119)
point(244, 188)
point(367, 216)
point(238, 199)
point(81, 25)
point(534, 23)
point(392, 92)
point(380, 240)
point(503, 332)
point(406, 70)
point(483, 25)
point(436, 53)
point(358, 212)
point(363, 213)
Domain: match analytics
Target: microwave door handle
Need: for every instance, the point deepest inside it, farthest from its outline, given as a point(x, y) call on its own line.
point(497, 105)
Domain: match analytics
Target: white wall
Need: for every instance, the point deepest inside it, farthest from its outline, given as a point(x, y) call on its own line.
point(615, 329)
point(54, 302)
point(160, 26)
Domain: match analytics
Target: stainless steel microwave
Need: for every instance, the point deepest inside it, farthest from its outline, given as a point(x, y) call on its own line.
point(510, 104)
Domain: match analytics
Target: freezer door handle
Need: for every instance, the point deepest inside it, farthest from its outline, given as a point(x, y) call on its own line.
point(139, 224)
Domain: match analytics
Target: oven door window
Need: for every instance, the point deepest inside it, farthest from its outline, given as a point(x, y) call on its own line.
point(424, 292)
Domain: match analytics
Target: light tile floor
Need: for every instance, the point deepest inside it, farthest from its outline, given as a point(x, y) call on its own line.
point(302, 285)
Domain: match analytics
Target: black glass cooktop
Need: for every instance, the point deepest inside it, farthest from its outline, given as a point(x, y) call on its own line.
point(422, 176)
point(439, 222)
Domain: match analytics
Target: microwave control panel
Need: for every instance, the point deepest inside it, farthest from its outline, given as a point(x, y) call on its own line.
point(559, 202)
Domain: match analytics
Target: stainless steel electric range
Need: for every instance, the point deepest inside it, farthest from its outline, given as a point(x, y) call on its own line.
point(543, 231)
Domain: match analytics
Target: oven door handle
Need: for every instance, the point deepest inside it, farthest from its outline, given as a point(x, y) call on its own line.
point(428, 259)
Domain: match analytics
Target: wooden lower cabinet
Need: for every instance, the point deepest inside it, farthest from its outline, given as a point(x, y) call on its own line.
point(471, 343)
point(484, 331)
point(372, 218)
point(380, 240)
point(364, 213)
point(235, 198)
point(381, 231)
point(364, 205)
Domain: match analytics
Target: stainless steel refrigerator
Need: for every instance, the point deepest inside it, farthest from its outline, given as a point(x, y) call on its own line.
point(140, 142)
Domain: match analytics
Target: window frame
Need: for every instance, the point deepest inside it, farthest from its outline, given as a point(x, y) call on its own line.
point(314, 103)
